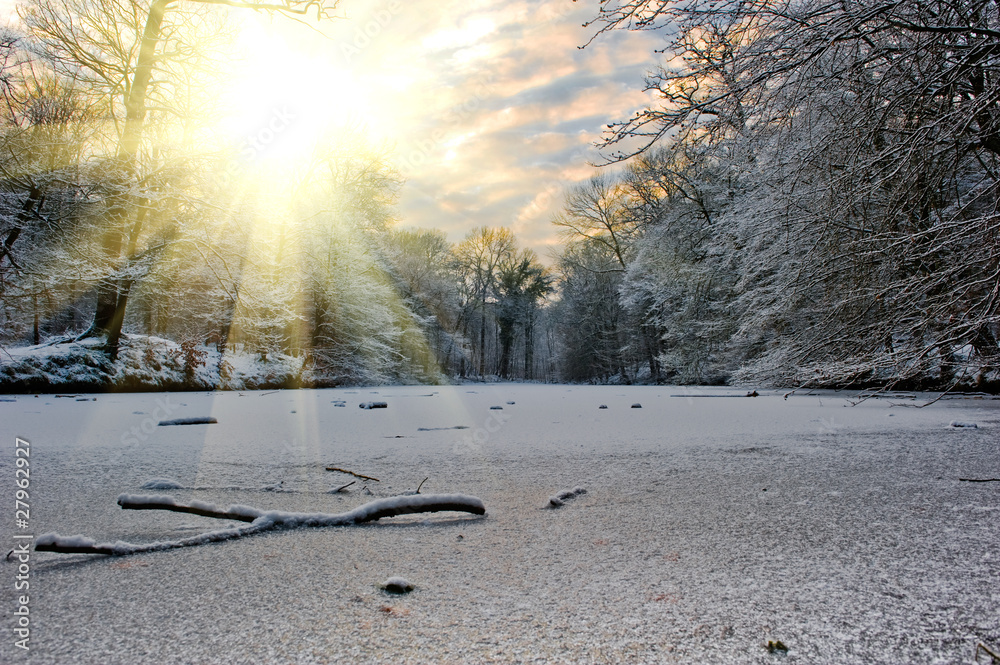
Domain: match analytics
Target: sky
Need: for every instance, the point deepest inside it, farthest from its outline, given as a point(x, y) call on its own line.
point(489, 107)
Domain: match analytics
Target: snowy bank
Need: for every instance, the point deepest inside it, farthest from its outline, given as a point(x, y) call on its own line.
point(148, 363)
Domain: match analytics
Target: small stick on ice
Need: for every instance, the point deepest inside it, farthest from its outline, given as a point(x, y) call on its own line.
point(416, 491)
point(188, 421)
point(260, 521)
point(561, 498)
point(985, 649)
point(343, 487)
point(351, 473)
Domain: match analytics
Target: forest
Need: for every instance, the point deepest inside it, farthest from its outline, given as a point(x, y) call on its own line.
point(812, 201)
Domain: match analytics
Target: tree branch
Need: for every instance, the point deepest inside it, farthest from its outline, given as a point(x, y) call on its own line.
point(260, 521)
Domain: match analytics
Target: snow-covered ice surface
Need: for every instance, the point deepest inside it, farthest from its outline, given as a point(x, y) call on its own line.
point(709, 527)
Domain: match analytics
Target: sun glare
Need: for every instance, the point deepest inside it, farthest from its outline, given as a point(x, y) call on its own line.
point(283, 99)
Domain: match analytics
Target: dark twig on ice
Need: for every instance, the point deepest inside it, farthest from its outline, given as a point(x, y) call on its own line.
point(189, 421)
point(343, 487)
point(980, 480)
point(260, 521)
point(988, 651)
point(351, 473)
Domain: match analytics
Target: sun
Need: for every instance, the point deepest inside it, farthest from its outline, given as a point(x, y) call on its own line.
point(286, 94)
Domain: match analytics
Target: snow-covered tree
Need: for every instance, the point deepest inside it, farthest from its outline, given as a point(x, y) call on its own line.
point(861, 144)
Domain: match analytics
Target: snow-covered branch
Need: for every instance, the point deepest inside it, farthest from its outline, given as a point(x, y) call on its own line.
point(260, 521)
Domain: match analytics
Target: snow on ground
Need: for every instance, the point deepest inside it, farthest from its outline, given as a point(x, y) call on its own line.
point(710, 526)
point(144, 363)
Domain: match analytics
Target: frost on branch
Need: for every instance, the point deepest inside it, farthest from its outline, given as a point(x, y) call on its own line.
point(259, 520)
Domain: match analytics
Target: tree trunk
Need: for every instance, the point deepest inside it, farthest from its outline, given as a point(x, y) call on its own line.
point(118, 318)
point(529, 345)
point(985, 344)
point(482, 339)
point(36, 336)
point(506, 342)
point(112, 295)
point(108, 287)
point(649, 333)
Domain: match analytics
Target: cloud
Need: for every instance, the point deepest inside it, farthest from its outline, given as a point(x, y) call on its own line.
point(510, 112)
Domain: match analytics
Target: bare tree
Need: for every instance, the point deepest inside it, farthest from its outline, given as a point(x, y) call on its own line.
point(478, 258)
point(598, 212)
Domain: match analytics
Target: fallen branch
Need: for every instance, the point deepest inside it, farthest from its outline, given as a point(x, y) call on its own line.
point(351, 473)
point(260, 521)
point(153, 502)
point(980, 480)
point(188, 421)
point(990, 652)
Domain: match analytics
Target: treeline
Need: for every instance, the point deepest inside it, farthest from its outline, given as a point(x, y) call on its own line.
point(814, 202)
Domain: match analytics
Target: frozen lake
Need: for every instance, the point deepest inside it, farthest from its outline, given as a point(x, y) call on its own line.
point(711, 525)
